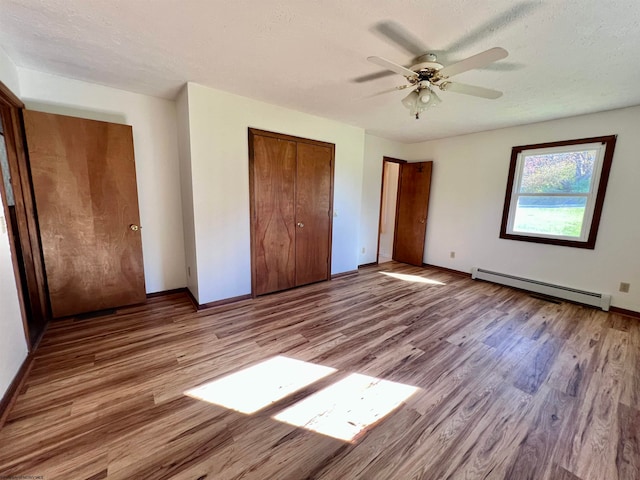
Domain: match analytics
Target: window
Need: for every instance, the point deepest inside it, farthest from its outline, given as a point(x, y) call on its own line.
point(555, 191)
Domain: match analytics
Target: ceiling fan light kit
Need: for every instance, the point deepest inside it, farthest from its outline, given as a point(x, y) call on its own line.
point(424, 96)
point(428, 73)
point(420, 99)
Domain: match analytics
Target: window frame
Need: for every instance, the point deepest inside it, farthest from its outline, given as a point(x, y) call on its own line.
point(589, 240)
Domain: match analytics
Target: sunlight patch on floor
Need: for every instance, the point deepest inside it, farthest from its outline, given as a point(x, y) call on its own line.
point(256, 387)
point(412, 278)
point(347, 407)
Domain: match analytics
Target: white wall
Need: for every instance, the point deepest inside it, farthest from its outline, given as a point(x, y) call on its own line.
point(375, 148)
point(218, 124)
point(13, 345)
point(156, 151)
point(467, 197)
point(186, 187)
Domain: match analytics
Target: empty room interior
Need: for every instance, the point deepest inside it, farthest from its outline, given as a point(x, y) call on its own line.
point(319, 240)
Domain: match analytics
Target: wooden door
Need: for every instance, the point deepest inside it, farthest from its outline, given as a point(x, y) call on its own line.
point(273, 177)
point(84, 185)
point(291, 201)
point(411, 212)
point(313, 210)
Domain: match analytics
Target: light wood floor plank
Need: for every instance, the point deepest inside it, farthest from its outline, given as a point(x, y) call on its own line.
point(507, 387)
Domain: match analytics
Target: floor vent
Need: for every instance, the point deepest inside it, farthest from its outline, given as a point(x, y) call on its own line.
point(600, 300)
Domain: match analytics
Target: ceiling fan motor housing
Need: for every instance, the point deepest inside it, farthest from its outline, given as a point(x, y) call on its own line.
point(426, 66)
point(426, 70)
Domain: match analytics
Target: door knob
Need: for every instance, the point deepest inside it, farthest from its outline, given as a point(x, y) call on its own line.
point(134, 228)
point(300, 224)
point(422, 220)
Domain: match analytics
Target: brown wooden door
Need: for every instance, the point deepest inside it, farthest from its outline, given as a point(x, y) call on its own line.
point(291, 191)
point(84, 184)
point(273, 179)
point(411, 212)
point(313, 207)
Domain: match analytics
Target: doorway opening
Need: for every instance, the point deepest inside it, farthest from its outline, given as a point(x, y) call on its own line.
point(12, 221)
point(404, 204)
point(388, 203)
point(20, 219)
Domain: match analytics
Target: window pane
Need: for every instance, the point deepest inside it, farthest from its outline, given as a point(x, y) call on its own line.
point(566, 172)
point(550, 215)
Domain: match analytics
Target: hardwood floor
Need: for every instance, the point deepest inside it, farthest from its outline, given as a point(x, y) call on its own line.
point(509, 387)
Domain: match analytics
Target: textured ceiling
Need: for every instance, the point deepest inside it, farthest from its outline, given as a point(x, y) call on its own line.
point(566, 57)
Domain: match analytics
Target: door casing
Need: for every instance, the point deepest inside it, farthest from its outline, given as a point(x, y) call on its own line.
point(28, 263)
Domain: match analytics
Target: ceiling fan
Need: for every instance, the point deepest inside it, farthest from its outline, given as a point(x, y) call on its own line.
point(427, 75)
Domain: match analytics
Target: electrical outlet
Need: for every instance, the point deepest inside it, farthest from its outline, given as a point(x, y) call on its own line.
point(364, 250)
point(624, 287)
point(452, 255)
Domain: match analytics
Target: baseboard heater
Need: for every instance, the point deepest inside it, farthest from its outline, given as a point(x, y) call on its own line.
point(600, 300)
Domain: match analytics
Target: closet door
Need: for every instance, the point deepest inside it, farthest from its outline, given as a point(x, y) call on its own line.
point(272, 181)
point(313, 210)
point(291, 198)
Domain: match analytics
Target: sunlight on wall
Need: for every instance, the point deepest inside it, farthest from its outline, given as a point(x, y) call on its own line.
point(347, 407)
point(412, 278)
point(253, 388)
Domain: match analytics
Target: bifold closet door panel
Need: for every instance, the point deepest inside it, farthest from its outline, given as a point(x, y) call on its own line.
point(274, 179)
point(313, 210)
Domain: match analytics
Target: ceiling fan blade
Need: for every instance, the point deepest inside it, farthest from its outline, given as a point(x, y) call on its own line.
point(492, 25)
point(401, 37)
point(372, 76)
point(504, 67)
point(394, 67)
point(470, 90)
point(476, 61)
point(389, 90)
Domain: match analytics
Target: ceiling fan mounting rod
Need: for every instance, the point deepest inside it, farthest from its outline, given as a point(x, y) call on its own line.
point(427, 57)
